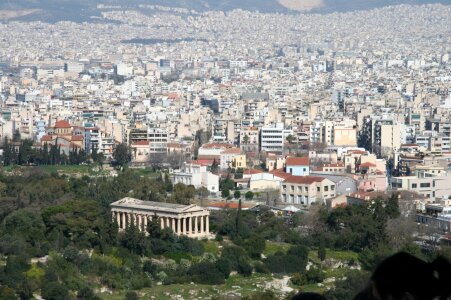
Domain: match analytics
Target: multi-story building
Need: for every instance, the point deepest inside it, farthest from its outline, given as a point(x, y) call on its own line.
point(195, 173)
point(307, 190)
point(273, 138)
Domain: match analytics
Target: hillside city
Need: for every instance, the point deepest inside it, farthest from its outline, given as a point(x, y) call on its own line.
point(252, 130)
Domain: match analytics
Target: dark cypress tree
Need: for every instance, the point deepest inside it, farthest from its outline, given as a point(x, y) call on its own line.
point(322, 250)
point(238, 221)
point(7, 153)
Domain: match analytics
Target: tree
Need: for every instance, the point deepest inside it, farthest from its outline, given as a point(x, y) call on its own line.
point(225, 193)
point(249, 195)
point(54, 291)
point(97, 157)
point(349, 288)
point(206, 273)
point(392, 206)
point(122, 154)
point(87, 294)
point(237, 194)
point(246, 139)
point(8, 154)
point(131, 296)
point(202, 193)
point(290, 139)
point(322, 250)
point(254, 246)
point(214, 167)
point(183, 194)
point(238, 221)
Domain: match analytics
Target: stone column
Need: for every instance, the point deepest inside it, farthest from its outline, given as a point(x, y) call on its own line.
point(183, 225)
point(123, 221)
point(173, 225)
point(162, 222)
point(201, 225)
point(207, 225)
point(168, 222)
point(129, 219)
point(118, 219)
point(145, 222)
point(179, 228)
point(138, 221)
point(195, 225)
point(190, 225)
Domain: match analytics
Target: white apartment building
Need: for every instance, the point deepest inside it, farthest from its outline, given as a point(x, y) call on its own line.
point(273, 138)
point(196, 174)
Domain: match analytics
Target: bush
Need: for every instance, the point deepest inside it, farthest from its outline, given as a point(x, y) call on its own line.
point(294, 261)
point(249, 195)
point(233, 254)
point(54, 291)
point(206, 273)
point(244, 268)
point(261, 268)
point(87, 294)
point(298, 279)
point(219, 238)
point(254, 246)
point(314, 275)
point(223, 266)
point(131, 296)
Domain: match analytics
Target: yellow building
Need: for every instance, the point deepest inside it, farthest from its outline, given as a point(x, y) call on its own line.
point(239, 161)
point(345, 136)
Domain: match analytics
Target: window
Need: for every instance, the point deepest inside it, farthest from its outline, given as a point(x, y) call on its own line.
point(425, 184)
point(326, 188)
point(332, 187)
point(291, 170)
point(414, 185)
point(305, 170)
point(318, 189)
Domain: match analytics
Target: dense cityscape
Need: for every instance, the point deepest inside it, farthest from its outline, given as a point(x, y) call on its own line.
point(170, 153)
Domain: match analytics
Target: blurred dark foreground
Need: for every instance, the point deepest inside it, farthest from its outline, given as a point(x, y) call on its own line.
point(405, 277)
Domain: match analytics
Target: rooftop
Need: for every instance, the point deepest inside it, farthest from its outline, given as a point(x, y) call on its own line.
point(132, 203)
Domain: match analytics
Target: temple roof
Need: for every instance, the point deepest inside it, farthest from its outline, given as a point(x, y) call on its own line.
point(136, 204)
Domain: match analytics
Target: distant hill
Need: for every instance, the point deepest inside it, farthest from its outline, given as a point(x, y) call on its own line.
point(81, 10)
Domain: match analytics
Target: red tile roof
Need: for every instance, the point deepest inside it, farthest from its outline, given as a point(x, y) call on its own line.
point(46, 138)
point(76, 138)
point(141, 143)
point(297, 161)
point(233, 205)
point(280, 173)
point(304, 179)
point(62, 124)
point(216, 145)
point(202, 162)
point(232, 151)
point(367, 164)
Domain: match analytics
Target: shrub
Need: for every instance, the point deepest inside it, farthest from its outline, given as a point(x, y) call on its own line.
point(54, 291)
point(131, 296)
point(223, 266)
point(244, 268)
point(219, 238)
point(206, 273)
point(249, 195)
point(261, 268)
